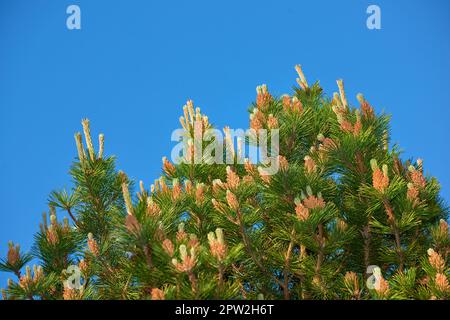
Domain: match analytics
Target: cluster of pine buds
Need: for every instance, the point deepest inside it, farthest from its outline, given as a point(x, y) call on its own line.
point(28, 279)
point(351, 282)
point(73, 294)
point(340, 108)
point(188, 260)
point(438, 264)
point(380, 178)
point(54, 230)
point(305, 203)
point(82, 156)
point(93, 245)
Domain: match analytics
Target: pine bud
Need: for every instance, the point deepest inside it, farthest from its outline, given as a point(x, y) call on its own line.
point(52, 235)
point(351, 281)
point(152, 208)
point(340, 84)
point(302, 212)
point(219, 234)
point(87, 137)
point(211, 236)
point(205, 122)
point(358, 124)
point(373, 164)
point(200, 193)
point(360, 98)
point(312, 202)
point(232, 201)
point(232, 178)
point(190, 107)
point(320, 137)
point(168, 247)
point(193, 241)
point(38, 273)
point(168, 167)
point(442, 282)
point(283, 163)
point(310, 165)
point(163, 186)
point(13, 255)
point(157, 294)
point(249, 167)
point(217, 245)
point(84, 266)
point(184, 123)
point(263, 175)
point(382, 288)
point(101, 145)
point(380, 178)
point(341, 225)
point(420, 164)
point(132, 224)
point(286, 99)
point(126, 196)
point(187, 261)
point(188, 186)
point(297, 106)
point(336, 103)
point(217, 186)
point(66, 226)
point(436, 260)
point(176, 189)
point(413, 193)
point(80, 147)
point(53, 219)
point(141, 187)
point(263, 97)
point(417, 177)
point(28, 272)
point(443, 227)
point(92, 245)
point(181, 234)
point(272, 122)
point(302, 79)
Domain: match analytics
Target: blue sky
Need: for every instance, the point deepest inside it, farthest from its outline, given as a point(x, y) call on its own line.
point(134, 64)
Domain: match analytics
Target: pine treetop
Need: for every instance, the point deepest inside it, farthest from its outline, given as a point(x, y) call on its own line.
point(342, 217)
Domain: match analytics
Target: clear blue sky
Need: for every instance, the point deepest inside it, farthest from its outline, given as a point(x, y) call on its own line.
point(134, 63)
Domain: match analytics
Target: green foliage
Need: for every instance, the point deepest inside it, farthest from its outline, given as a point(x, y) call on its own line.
point(341, 202)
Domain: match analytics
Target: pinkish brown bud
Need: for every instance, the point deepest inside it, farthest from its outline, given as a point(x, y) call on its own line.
point(157, 294)
point(232, 200)
point(13, 255)
point(442, 282)
point(168, 247)
point(232, 178)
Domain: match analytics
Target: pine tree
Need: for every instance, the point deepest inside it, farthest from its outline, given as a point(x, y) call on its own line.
point(343, 218)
